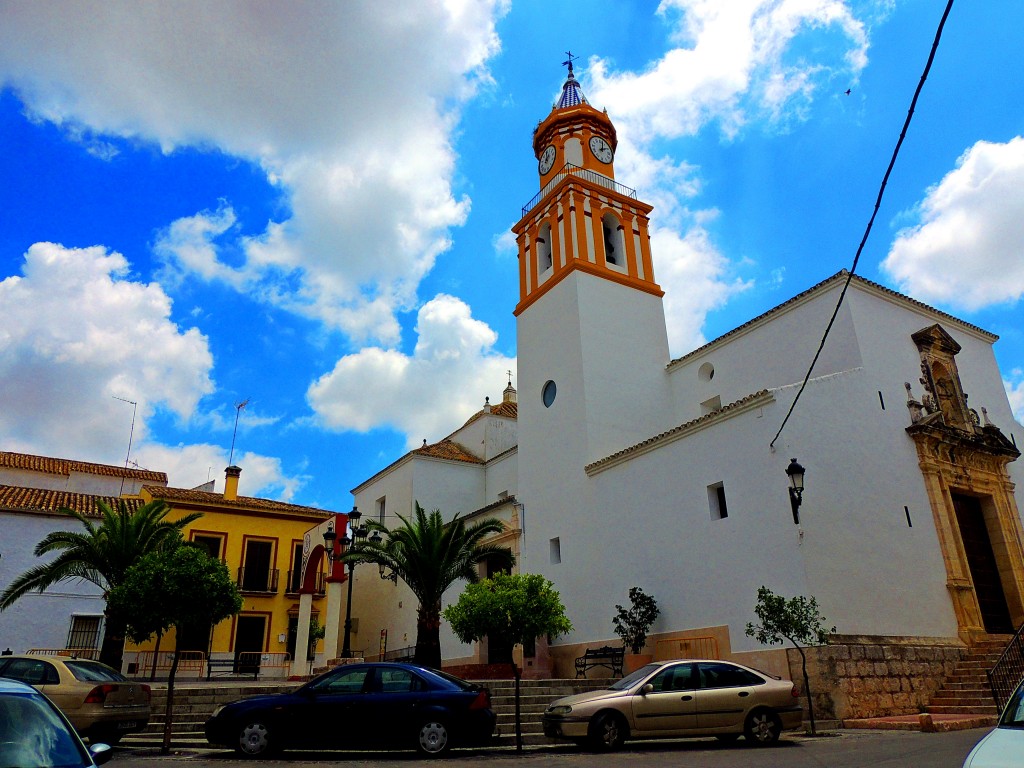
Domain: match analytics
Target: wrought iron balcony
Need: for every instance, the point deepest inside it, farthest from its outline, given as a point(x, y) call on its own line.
point(574, 170)
point(295, 584)
point(254, 579)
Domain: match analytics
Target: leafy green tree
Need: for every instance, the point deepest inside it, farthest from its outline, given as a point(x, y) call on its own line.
point(174, 588)
point(797, 620)
point(632, 625)
point(515, 608)
point(430, 555)
point(101, 554)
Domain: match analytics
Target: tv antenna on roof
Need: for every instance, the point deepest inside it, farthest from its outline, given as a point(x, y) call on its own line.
point(131, 434)
point(238, 411)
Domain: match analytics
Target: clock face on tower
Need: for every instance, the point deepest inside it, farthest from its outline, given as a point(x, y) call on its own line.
point(547, 159)
point(602, 149)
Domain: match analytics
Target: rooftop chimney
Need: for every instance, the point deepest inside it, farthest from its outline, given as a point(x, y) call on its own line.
point(231, 482)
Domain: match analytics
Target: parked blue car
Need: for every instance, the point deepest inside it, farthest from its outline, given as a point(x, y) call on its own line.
point(34, 733)
point(377, 705)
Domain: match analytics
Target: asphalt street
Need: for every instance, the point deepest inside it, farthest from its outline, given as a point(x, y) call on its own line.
point(844, 749)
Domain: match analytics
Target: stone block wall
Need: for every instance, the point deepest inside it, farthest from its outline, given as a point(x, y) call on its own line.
point(857, 676)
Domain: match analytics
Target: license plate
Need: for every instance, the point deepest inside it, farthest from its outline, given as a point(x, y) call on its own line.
point(124, 725)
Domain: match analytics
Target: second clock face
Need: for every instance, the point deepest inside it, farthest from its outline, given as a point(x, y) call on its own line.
point(547, 159)
point(602, 149)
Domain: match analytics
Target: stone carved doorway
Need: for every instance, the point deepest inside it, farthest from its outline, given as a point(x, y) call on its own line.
point(981, 562)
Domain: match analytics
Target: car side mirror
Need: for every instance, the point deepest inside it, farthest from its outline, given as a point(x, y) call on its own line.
point(101, 753)
point(649, 688)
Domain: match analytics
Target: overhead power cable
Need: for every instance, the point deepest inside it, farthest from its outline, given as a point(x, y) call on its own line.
point(871, 221)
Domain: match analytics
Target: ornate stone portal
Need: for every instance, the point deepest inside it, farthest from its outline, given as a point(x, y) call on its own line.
point(964, 460)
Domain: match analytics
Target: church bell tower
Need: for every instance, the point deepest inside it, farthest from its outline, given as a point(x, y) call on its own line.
point(581, 219)
point(590, 319)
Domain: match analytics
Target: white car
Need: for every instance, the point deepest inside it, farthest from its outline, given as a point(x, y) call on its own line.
point(1004, 746)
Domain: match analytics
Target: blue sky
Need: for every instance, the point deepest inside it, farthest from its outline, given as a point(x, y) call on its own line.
point(307, 205)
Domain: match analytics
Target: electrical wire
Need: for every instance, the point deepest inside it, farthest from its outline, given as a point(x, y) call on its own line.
point(871, 221)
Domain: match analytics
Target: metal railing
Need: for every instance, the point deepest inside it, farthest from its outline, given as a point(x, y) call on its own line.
point(1008, 670)
point(258, 579)
point(295, 584)
point(574, 170)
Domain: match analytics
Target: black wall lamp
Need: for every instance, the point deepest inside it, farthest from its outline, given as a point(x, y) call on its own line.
point(796, 487)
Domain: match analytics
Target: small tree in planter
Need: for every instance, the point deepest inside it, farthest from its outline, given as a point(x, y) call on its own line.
point(633, 625)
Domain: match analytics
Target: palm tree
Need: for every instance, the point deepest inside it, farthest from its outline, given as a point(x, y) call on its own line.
point(101, 555)
point(430, 555)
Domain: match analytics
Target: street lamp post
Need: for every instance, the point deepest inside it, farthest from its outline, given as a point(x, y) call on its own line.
point(358, 534)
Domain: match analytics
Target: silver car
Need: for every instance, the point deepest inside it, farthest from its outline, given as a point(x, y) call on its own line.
point(1003, 747)
point(686, 697)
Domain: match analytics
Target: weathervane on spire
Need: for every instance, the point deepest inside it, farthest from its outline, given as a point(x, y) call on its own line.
point(568, 62)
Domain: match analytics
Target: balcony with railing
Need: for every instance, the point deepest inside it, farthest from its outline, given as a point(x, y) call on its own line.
point(294, 585)
point(570, 170)
point(258, 580)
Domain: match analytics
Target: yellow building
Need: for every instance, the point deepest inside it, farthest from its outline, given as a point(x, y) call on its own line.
point(261, 542)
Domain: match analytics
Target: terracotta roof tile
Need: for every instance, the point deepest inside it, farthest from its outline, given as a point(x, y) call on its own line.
point(448, 449)
point(54, 466)
point(685, 427)
point(192, 496)
point(18, 499)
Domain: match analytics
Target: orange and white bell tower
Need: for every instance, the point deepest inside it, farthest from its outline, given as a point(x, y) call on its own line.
point(592, 343)
point(581, 219)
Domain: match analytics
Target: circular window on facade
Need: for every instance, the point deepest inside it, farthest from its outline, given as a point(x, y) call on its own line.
point(548, 393)
point(706, 372)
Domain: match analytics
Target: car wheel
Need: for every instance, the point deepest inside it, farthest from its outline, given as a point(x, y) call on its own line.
point(763, 727)
point(432, 739)
point(607, 732)
point(254, 739)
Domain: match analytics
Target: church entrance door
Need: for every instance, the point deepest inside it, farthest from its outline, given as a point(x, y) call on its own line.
point(981, 561)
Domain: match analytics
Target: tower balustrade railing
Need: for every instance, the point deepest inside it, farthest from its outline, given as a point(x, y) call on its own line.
point(582, 173)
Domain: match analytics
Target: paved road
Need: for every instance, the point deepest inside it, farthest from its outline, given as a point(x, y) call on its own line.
point(847, 749)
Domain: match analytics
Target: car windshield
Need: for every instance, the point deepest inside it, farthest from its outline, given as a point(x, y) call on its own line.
point(33, 735)
point(634, 677)
point(1013, 715)
point(93, 672)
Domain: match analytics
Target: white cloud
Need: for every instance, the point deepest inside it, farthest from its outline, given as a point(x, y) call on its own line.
point(78, 338)
point(76, 334)
point(965, 252)
point(734, 62)
point(349, 110)
point(424, 395)
point(1015, 392)
point(190, 466)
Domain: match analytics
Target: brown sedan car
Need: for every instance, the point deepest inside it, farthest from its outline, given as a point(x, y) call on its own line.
point(101, 703)
point(687, 697)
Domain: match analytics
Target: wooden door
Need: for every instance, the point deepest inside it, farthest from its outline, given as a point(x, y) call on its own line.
point(981, 560)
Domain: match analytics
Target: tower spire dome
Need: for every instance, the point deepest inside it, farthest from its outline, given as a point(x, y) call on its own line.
point(572, 94)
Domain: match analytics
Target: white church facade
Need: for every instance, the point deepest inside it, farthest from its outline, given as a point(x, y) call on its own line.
point(620, 467)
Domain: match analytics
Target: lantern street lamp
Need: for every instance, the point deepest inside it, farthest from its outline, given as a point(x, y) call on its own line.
point(796, 487)
point(348, 544)
point(381, 569)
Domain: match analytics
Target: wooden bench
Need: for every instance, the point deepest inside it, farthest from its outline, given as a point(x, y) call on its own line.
point(605, 656)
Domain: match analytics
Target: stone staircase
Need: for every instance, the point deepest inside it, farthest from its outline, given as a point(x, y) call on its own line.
point(966, 690)
point(194, 702)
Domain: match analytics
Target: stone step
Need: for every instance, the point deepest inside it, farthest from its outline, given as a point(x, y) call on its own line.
point(958, 710)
